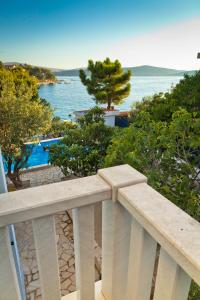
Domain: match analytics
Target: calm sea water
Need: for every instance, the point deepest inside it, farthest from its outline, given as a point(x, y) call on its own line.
point(67, 98)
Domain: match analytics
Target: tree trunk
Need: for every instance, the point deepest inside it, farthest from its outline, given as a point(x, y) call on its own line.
point(14, 176)
point(109, 104)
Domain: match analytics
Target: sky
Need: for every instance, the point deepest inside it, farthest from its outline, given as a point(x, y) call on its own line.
point(66, 33)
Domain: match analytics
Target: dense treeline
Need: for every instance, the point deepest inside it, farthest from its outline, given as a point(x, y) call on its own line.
point(42, 74)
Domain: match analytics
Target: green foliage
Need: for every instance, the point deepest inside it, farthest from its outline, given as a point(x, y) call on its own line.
point(25, 85)
point(94, 115)
point(163, 142)
point(41, 74)
point(22, 117)
point(194, 292)
point(168, 153)
point(186, 94)
point(81, 152)
point(59, 127)
point(107, 82)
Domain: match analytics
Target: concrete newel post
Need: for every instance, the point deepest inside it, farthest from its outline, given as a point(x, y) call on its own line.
point(116, 229)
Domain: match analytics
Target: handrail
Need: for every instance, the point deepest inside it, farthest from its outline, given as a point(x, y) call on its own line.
point(52, 198)
point(135, 219)
point(171, 227)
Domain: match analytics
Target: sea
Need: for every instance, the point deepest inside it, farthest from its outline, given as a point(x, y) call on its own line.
point(70, 94)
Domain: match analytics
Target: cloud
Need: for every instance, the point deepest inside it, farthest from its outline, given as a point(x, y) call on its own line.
point(174, 46)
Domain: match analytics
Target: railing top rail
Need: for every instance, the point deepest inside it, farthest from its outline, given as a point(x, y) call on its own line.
point(171, 227)
point(48, 199)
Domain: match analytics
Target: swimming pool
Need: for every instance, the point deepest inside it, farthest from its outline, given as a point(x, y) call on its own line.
point(39, 155)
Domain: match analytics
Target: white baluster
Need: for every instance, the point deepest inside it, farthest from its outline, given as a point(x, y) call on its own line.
point(116, 232)
point(47, 258)
point(8, 278)
point(83, 226)
point(115, 249)
point(172, 283)
point(141, 263)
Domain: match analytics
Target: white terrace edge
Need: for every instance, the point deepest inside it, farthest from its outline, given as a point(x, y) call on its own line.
point(176, 231)
point(49, 199)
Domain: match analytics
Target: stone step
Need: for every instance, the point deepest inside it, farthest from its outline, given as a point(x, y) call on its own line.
point(98, 294)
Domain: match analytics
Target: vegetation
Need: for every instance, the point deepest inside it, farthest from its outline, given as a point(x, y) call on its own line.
point(81, 152)
point(194, 292)
point(23, 115)
point(42, 74)
point(185, 94)
point(107, 82)
point(59, 127)
point(163, 142)
point(166, 153)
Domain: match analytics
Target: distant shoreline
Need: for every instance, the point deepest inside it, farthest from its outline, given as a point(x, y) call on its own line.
point(178, 75)
point(47, 82)
point(51, 82)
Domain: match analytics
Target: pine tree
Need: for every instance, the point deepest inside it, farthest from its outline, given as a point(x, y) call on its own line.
point(106, 81)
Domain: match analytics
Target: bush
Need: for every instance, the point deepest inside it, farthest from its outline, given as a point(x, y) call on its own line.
point(81, 152)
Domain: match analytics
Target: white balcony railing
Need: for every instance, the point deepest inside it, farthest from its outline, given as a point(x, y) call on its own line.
point(136, 219)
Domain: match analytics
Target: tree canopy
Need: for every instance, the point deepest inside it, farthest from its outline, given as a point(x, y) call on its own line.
point(23, 116)
point(59, 127)
point(163, 142)
point(81, 152)
point(186, 95)
point(42, 74)
point(107, 82)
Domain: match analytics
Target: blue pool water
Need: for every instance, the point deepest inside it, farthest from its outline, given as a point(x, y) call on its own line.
point(39, 155)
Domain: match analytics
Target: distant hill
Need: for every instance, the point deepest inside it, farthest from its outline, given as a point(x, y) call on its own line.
point(9, 64)
point(144, 70)
point(136, 71)
point(72, 72)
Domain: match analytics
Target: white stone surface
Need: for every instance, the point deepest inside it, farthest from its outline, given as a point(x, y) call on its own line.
point(141, 263)
point(115, 250)
point(98, 294)
point(121, 176)
point(8, 278)
point(158, 220)
point(47, 258)
point(52, 198)
point(171, 227)
point(65, 245)
point(83, 221)
point(172, 283)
